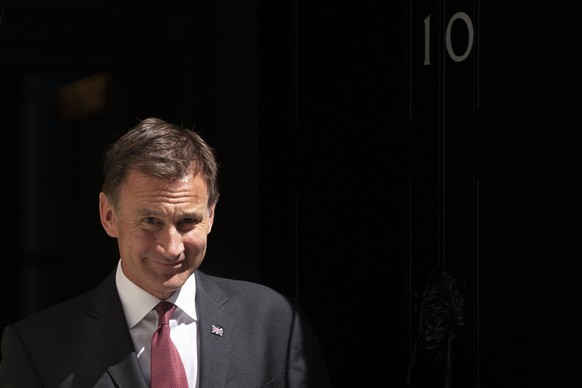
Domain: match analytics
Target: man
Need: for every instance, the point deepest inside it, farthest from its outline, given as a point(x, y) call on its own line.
point(158, 200)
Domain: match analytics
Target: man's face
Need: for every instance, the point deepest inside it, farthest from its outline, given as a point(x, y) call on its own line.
point(161, 229)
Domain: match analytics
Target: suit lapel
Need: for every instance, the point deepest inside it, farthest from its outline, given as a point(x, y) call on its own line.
point(215, 343)
point(107, 331)
point(110, 337)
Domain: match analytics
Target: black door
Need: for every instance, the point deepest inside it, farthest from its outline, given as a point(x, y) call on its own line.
point(419, 186)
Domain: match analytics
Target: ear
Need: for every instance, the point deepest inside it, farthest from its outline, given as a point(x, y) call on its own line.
point(211, 217)
point(107, 215)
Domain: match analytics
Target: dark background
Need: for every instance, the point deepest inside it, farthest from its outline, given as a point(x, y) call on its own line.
point(364, 147)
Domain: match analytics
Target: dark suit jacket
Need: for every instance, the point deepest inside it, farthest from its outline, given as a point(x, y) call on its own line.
point(84, 342)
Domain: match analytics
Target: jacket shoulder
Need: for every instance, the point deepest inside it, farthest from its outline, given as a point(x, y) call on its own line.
point(243, 293)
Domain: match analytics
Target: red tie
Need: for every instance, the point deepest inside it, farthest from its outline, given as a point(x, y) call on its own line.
point(167, 368)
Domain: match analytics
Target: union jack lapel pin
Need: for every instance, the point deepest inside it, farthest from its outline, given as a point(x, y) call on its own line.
point(217, 330)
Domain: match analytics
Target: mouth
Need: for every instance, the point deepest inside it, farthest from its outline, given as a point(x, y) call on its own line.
point(166, 265)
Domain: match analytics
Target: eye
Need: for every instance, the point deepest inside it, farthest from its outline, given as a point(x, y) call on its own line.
point(151, 223)
point(149, 220)
point(187, 224)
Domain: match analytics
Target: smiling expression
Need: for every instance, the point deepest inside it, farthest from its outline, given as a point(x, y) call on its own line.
point(161, 229)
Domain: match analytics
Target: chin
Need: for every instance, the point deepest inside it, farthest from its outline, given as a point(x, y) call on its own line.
point(176, 281)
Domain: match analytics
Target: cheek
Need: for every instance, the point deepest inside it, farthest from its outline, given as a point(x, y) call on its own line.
point(139, 241)
point(196, 240)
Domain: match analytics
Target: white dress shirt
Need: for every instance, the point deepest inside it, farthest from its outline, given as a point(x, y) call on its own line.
point(142, 321)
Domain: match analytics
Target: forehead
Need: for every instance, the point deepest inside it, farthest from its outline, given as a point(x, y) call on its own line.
point(139, 188)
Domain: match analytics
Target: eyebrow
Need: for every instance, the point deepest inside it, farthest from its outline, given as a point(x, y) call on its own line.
point(157, 213)
point(149, 212)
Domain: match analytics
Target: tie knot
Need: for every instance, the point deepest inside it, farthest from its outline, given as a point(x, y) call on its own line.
point(165, 311)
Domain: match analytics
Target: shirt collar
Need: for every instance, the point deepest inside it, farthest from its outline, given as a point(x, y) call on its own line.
point(137, 302)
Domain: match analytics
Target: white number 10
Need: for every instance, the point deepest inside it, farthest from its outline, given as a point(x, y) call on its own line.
point(457, 58)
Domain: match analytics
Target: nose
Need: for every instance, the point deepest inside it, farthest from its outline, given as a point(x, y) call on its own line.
point(171, 242)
